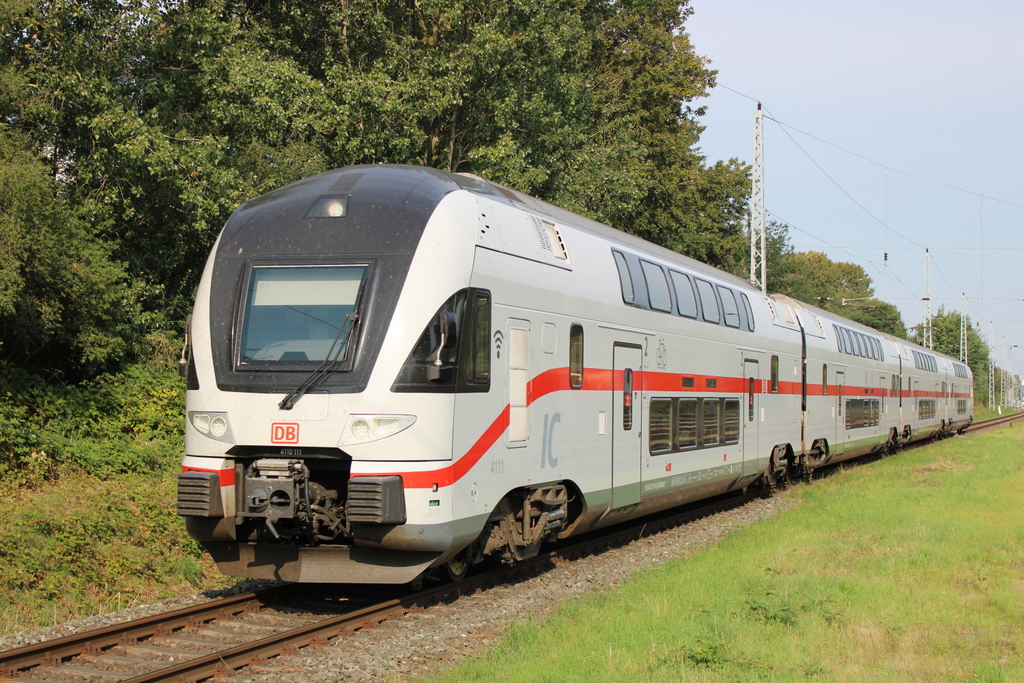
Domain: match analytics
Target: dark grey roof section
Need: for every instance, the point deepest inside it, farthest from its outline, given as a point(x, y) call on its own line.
point(388, 209)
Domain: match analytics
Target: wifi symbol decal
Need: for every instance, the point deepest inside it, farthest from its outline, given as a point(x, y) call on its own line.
point(499, 339)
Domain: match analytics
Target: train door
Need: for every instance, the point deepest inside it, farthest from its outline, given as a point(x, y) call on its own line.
point(627, 422)
point(751, 446)
point(837, 445)
point(883, 385)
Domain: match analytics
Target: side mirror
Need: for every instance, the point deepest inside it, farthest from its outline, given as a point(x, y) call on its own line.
point(449, 327)
point(448, 331)
point(186, 348)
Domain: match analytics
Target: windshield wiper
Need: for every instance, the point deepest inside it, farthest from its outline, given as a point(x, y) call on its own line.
point(334, 354)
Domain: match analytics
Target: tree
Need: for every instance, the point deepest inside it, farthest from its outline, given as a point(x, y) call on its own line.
point(842, 288)
point(946, 339)
point(157, 119)
point(64, 304)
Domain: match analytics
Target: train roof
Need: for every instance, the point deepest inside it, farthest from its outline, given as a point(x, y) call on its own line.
point(417, 190)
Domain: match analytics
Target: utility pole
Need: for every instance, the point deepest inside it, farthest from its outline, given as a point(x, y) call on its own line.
point(963, 328)
point(927, 300)
point(758, 276)
point(991, 367)
point(1004, 398)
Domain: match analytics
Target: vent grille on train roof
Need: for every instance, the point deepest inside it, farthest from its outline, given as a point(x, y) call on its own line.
point(549, 236)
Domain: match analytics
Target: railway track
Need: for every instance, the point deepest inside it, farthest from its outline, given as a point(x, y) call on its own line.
point(216, 638)
point(994, 423)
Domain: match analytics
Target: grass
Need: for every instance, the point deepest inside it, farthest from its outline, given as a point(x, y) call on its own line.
point(908, 569)
point(983, 413)
point(86, 545)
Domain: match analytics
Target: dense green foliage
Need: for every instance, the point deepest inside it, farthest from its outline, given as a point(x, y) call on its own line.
point(91, 545)
point(907, 569)
point(87, 492)
point(115, 424)
point(139, 127)
point(946, 338)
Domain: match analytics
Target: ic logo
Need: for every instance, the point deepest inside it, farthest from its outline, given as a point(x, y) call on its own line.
point(284, 432)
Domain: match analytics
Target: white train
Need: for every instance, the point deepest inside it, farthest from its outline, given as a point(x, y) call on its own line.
point(395, 369)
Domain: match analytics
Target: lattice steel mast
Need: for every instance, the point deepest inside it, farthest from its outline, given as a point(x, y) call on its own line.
point(758, 276)
point(927, 336)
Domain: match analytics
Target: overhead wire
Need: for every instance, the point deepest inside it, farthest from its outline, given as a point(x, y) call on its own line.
point(883, 267)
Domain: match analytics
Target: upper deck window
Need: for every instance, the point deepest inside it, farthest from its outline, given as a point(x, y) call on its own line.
point(298, 316)
point(625, 281)
point(732, 312)
point(708, 302)
point(684, 294)
point(748, 310)
point(657, 286)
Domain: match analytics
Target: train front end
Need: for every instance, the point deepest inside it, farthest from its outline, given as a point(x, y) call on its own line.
point(328, 328)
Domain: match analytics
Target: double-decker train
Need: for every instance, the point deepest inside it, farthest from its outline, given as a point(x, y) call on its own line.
point(396, 370)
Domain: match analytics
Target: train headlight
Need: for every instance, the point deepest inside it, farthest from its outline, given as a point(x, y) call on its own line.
point(360, 429)
point(201, 421)
point(385, 426)
point(218, 426)
point(213, 425)
point(366, 428)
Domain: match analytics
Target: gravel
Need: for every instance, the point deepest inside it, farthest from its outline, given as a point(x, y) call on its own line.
point(443, 635)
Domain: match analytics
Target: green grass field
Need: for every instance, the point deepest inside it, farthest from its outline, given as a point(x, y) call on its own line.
point(907, 569)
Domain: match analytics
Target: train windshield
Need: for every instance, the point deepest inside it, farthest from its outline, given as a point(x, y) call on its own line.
point(297, 316)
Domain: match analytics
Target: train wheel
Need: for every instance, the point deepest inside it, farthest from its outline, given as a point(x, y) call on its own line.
point(456, 568)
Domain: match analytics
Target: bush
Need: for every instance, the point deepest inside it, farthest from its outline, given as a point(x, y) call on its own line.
point(130, 422)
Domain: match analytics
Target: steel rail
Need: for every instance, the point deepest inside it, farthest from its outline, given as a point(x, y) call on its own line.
point(53, 652)
point(995, 422)
point(258, 651)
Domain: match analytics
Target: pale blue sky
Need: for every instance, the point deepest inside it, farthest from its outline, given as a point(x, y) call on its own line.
point(932, 91)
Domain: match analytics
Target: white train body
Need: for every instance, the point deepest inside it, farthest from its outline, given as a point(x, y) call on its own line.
point(507, 372)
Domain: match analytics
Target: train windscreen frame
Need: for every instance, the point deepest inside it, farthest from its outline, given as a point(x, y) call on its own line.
point(298, 316)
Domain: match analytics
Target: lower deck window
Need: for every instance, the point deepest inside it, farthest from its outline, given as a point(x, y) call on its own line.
point(862, 412)
point(684, 424)
point(926, 409)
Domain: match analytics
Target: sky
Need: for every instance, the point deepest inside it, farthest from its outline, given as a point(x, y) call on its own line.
point(890, 128)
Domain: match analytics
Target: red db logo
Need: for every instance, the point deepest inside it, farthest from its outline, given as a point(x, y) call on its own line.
point(284, 432)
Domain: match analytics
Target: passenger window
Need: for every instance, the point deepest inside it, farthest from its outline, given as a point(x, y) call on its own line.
point(657, 287)
point(748, 310)
point(731, 421)
point(684, 294)
point(661, 425)
point(775, 374)
point(686, 424)
point(625, 281)
point(576, 356)
point(732, 313)
point(710, 422)
point(708, 302)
